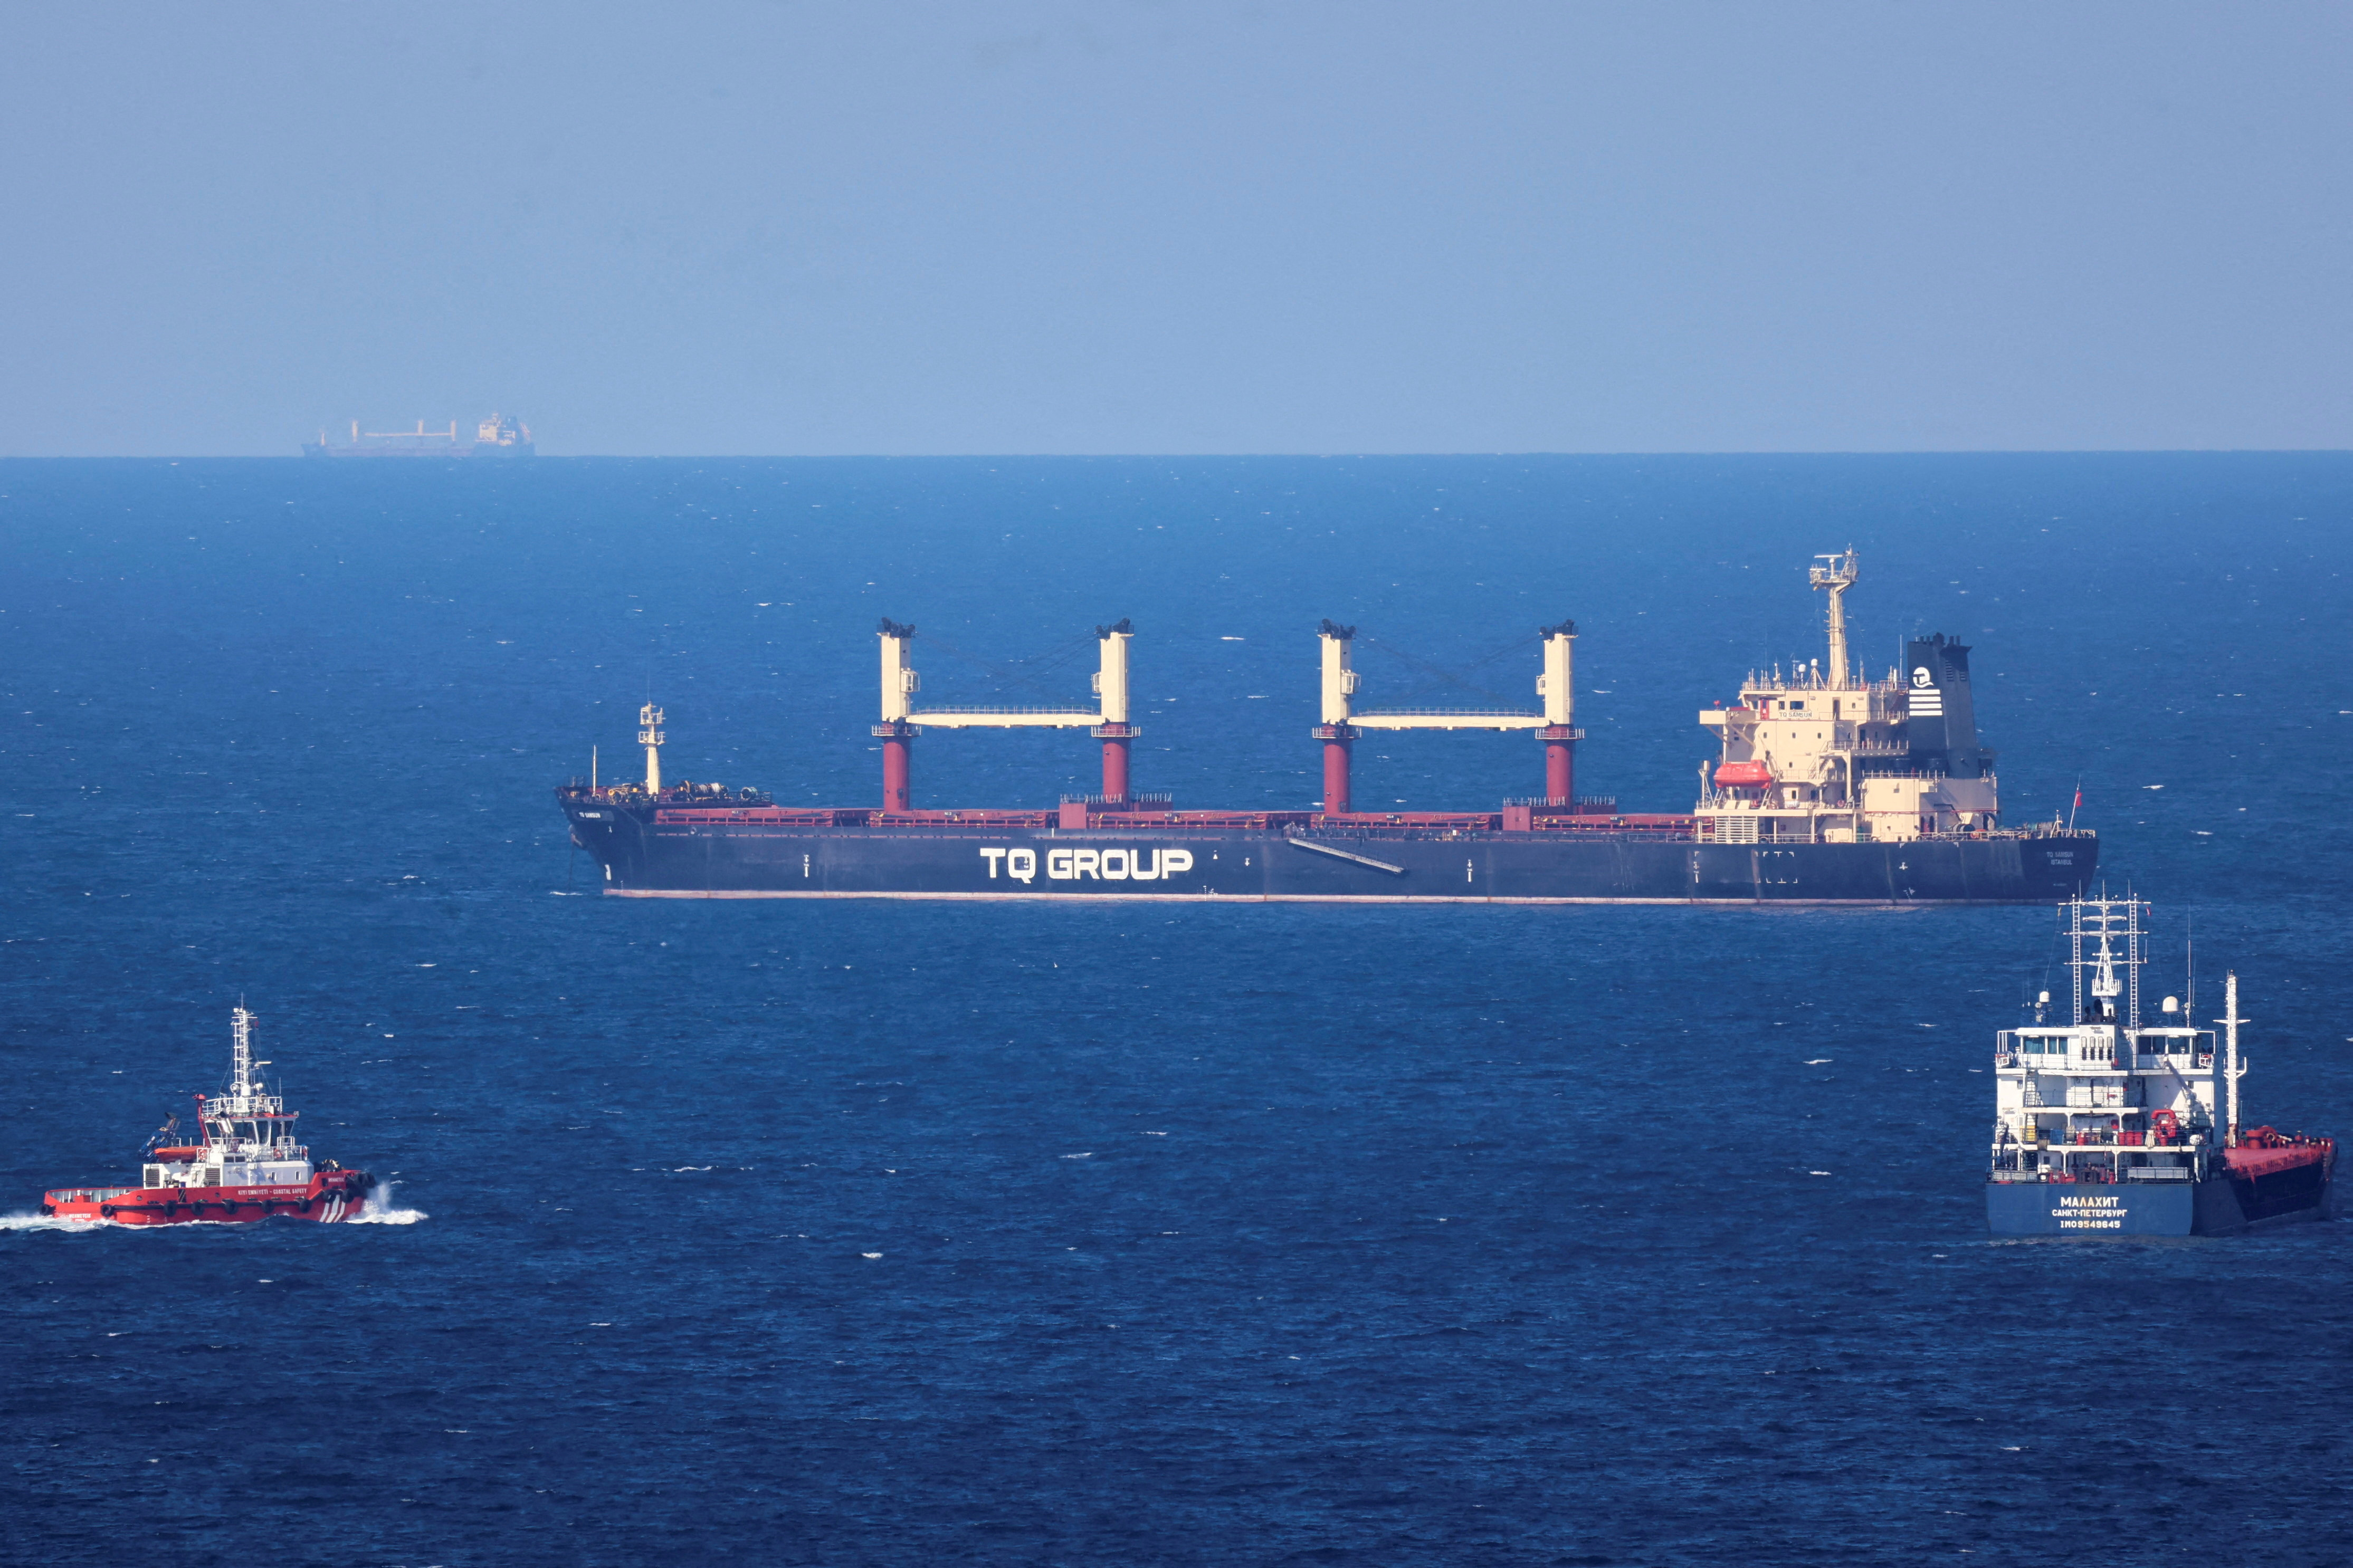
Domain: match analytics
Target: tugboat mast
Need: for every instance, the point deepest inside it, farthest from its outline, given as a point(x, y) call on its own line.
point(242, 1054)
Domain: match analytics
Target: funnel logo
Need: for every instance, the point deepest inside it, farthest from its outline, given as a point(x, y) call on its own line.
point(1927, 702)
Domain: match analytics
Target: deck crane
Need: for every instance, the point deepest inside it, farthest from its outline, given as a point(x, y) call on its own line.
point(901, 721)
point(1555, 726)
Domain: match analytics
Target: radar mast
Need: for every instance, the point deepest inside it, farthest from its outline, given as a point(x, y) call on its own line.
point(1838, 577)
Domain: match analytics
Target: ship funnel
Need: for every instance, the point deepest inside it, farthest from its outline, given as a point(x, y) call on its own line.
point(1941, 728)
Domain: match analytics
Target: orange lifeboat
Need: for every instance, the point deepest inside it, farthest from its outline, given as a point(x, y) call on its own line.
point(1743, 774)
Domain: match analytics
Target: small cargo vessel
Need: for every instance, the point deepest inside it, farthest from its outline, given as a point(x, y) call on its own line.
point(2106, 1128)
point(249, 1166)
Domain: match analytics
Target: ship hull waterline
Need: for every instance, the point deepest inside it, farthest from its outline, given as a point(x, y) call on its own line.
point(1316, 863)
point(2215, 1206)
point(213, 1206)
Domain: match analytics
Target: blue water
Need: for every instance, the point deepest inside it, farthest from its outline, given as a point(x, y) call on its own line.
point(1026, 1234)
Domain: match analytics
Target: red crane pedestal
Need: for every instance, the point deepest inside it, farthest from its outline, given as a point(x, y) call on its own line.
point(1336, 739)
point(1560, 763)
point(897, 737)
point(1115, 739)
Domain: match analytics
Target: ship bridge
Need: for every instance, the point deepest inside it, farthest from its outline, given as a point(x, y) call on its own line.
point(1820, 754)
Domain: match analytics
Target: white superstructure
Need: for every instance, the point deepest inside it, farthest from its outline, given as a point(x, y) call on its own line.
point(2096, 1096)
point(248, 1133)
point(1822, 755)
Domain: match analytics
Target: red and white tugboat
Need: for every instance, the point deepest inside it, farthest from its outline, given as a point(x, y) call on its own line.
point(249, 1167)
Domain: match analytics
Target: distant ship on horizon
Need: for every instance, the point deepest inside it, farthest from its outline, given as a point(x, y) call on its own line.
point(499, 435)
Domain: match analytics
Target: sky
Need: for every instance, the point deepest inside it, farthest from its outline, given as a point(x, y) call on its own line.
point(1034, 227)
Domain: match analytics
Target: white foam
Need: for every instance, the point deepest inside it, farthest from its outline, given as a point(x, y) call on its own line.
point(52, 1222)
point(379, 1209)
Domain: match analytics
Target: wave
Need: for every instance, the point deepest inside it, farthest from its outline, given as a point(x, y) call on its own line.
point(380, 1209)
point(53, 1222)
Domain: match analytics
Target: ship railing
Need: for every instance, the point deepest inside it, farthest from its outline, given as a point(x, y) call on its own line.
point(1071, 713)
point(1512, 713)
point(1758, 827)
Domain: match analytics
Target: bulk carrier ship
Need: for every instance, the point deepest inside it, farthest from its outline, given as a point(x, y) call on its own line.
point(1828, 787)
point(499, 435)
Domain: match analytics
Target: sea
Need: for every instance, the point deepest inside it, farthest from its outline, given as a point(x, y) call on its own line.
point(1131, 1233)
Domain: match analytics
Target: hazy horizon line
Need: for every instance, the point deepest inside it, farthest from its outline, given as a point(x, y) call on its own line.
point(1185, 455)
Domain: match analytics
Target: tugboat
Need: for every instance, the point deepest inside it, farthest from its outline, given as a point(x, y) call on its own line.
point(2106, 1128)
point(248, 1168)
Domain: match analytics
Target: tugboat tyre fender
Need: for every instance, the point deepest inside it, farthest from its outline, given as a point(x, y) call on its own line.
point(48, 1208)
point(106, 1211)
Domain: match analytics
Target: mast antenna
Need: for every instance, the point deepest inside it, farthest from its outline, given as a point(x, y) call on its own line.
point(2230, 1068)
point(241, 1056)
point(1837, 576)
point(649, 736)
point(2189, 962)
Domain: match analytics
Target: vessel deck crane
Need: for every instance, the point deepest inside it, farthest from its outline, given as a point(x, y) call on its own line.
point(1108, 722)
point(1555, 726)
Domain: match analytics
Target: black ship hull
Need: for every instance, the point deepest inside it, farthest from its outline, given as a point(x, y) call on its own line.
point(643, 856)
